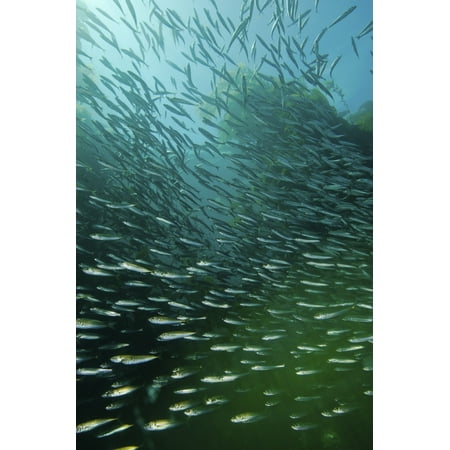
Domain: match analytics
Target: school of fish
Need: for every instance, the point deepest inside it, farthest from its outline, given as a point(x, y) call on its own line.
point(224, 232)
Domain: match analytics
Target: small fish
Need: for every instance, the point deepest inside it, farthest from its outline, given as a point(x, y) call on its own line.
point(367, 29)
point(181, 305)
point(164, 320)
point(159, 300)
point(337, 332)
point(134, 267)
point(309, 348)
point(118, 392)
point(176, 16)
point(359, 339)
point(116, 405)
point(341, 361)
point(132, 11)
point(132, 359)
point(105, 312)
point(350, 348)
point(137, 283)
point(233, 321)
point(328, 413)
point(235, 291)
point(316, 256)
point(105, 237)
point(306, 398)
point(223, 21)
point(96, 272)
point(244, 89)
point(88, 336)
point(216, 400)
point(333, 64)
point(182, 372)
point(165, 221)
point(212, 138)
point(94, 371)
point(254, 348)
point(92, 424)
point(260, 368)
point(298, 415)
point(221, 378)
point(272, 392)
point(303, 426)
point(127, 447)
point(192, 412)
point(115, 430)
point(172, 335)
point(181, 406)
point(342, 16)
point(343, 409)
point(127, 303)
point(161, 424)
point(317, 39)
point(307, 372)
point(325, 316)
point(187, 391)
point(354, 46)
point(238, 31)
point(216, 304)
point(360, 319)
point(90, 324)
point(120, 205)
point(312, 283)
point(170, 275)
point(224, 348)
point(117, 2)
point(104, 13)
point(246, 417)
point(173, 65)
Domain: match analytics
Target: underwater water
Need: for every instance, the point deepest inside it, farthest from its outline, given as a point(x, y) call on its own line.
point(224, 224)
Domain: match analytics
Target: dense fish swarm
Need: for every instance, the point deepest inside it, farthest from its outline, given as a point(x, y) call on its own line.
point(224, 231)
